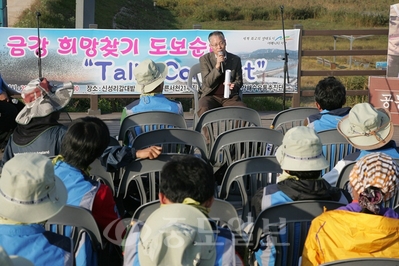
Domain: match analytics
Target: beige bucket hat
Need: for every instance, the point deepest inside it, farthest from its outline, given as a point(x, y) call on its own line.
point(6, 260)
point(30, 192)
point(177, 234)
point(366, 127)
point(149, 75)
point(301, 150)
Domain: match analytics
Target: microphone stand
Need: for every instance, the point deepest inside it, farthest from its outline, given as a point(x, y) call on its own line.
point(39, 51)
point(286, 75)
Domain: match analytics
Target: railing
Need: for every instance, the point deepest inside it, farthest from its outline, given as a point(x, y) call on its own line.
point(301, 73)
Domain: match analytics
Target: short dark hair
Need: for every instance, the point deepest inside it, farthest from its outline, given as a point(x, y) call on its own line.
point(330, 94)
point(306, 174)
point(187, 176)
point(215, 33)
point(85, 140)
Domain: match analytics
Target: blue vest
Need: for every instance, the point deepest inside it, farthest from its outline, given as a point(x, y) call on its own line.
point(37, 245)
point(81, 192)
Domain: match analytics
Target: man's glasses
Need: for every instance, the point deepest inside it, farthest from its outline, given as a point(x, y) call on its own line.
point(221, 44)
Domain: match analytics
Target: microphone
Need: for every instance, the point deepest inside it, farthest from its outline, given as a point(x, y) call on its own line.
point(221, 65)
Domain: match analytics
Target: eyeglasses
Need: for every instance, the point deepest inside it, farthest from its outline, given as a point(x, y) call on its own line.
point(221, 44)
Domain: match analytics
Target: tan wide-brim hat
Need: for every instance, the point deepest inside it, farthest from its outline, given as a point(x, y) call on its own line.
point(177, 234)
point(301, 150)
point(30, 192)
point(49, 102)
point(13, 260)
point(149, 75)
point(366, 127)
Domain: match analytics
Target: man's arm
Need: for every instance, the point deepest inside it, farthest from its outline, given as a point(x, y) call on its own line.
point(211, 76)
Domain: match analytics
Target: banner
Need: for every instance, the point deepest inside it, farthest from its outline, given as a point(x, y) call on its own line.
point(102, 61)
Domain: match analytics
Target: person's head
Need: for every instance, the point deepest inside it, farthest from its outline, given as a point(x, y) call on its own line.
point(366, 128)
point(330, 94)
point(30, 191)
point(177, 234)
point(42, 99)
point(85, 140)
point(301, 153)
point(187, 176)
point(374, 180)
point(150, 76)
point(217, 42)
point(12, 260)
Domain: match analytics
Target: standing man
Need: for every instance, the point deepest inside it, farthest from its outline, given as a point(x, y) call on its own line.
point(213, 68)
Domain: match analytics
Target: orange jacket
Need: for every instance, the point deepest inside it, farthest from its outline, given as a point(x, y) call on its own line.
point(341, 234)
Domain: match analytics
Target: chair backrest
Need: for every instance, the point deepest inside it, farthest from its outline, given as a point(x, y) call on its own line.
point(99, 173)
point(243, 143)
point(219, 120)
point(343, 182)
point(148, 121)
point(174, 141)
point(288, 225)
point(194, 74)
point(364, 262)
point(75, 222)
point(250, 174)
point(146, 174)
point(292, 117)
point(335, 147)
point(64, 118)
point(221, 211)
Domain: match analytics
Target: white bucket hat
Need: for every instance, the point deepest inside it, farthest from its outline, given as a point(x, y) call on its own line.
point(301, 150)
point(42, 99)
point(30, 192)
point(177, 234)
point(12, 260)
point(149, 75)
point(366, 128)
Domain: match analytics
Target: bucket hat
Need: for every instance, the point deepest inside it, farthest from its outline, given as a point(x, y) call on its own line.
point(149, 75)
point(30, 192)
point(301, 150)
point(41, 99)
point(6, 260)
point(375, 170)
point(177, 234)
point(366, 127)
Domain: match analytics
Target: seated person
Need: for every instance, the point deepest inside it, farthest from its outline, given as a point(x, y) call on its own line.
point(330, 96)
point(302, 160)
point(31, 194)
point(367, 129)
point(363, 228)
point(38, 130)
point(85, 140)
point(150, 78)
point(213, 69)
point(190, 181)
point(9, 109)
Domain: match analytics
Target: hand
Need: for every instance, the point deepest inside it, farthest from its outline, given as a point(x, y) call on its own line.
point(219, 60)
point(232, 86)
point(150, 152)
point(4, 97)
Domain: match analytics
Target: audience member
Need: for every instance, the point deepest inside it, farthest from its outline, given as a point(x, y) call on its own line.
point(302, 160)
point(38, 130)
point(367, 129)
point(188, 180)
point(150, 78)
point(30, 194)
point(9, 108)
point(363, 228)
point(6, 260)
point(330, 96)
point(213, 70)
